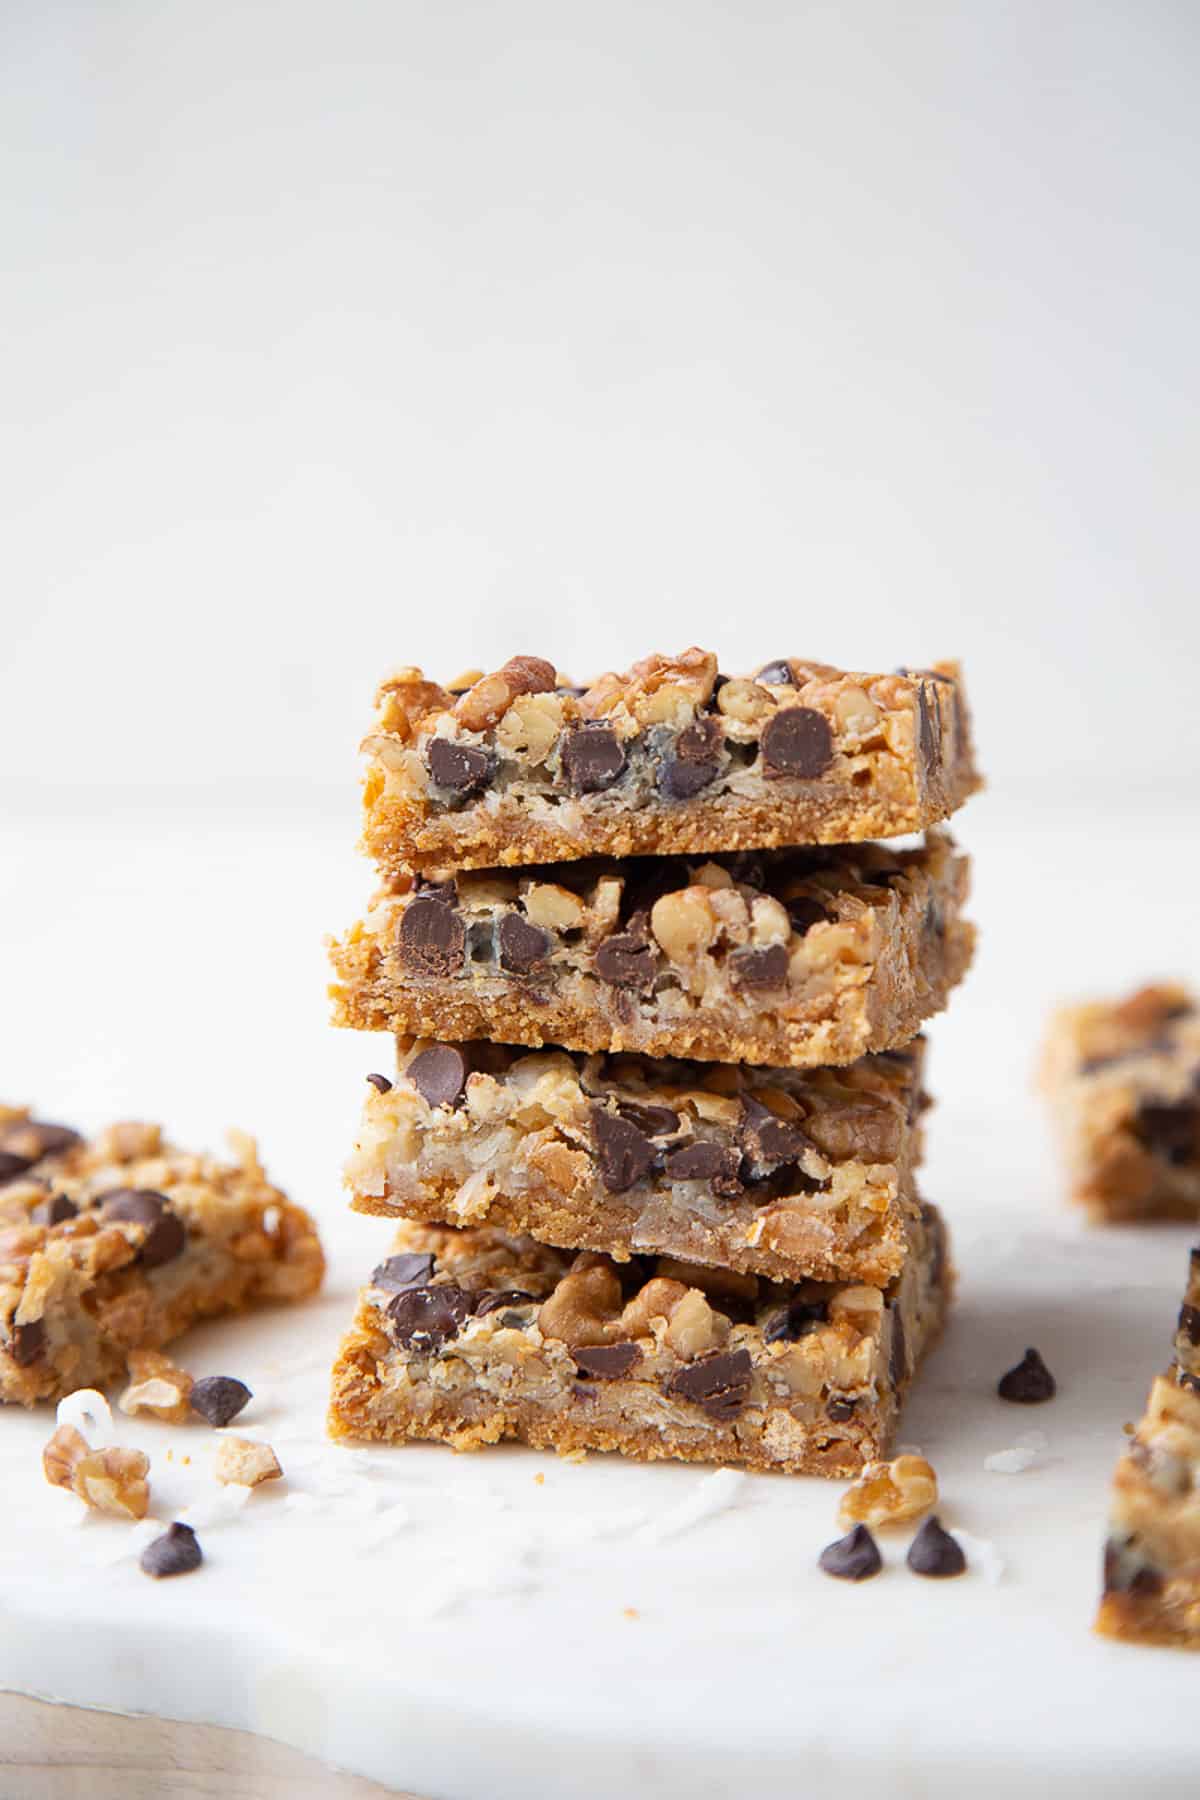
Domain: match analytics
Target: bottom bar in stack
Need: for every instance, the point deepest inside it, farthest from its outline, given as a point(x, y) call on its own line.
point(1152, 1557)
point(470, 1336)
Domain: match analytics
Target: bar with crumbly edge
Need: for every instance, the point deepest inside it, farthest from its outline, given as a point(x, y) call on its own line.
point(787, 1173)
point(469, 1337)
point(519, 767)
point(797, 957)
point(120, 1243)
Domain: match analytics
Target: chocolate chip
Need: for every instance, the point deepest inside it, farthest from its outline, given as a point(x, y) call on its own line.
point(934, 1552)
point(411, 1268)
point(852, 1558)
point(219, 1399)
point(702, 1160)
point(432, 939)
point(1189, 1323)
point(27, 1342)
point(1125, 1573)
point(439, 1074)
point(424, 1318)
point(625, 960)
point(776, 674)
point(931, 1219)
point(797, 741)
point(165, 1237)
point(380, 1083)
point(769, 1140)
point(692, 764)
point(840, 1407)
point(719, 1383)
point(1184, 1380)
point(1171, 1131)
point(592, 758)
point(12, 1167)
point(53, 1210)
point(522, 944)
point(624, 1153)
point(898, 1355)
point(655, 1121)
point(795, 1320)
point(805, 913)
point(34, 1139)
point(607, 1362)
point(502, 1297)
point(176, 1552)
point(462, 768)
point(1029, 1383)
point(760, 969)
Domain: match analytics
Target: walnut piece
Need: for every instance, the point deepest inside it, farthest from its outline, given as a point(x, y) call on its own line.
point(683, 924)
point(242, 1460)
point(582, 1309)
point(485, 704)
point(110, 1481)
point(157, 1386)
point(556, 908)
point(889, 1493)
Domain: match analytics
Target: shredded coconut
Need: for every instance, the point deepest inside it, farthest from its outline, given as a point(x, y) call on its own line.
point(712, 1494)
point(983, 1555)
point(91, 1416)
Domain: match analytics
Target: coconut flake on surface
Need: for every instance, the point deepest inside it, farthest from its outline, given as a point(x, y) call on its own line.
point(216, 1508)
point(981, 1554)
point(385, 1525)
point(127, 1541)
point(1010, 1462)
point(91, 1416)
point(712, 1494)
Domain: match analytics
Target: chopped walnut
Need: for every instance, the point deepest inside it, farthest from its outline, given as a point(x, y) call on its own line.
point(485, 704)
point(582, 1309)
point(157, 1386)
point(242, 1460)
point(684, 924)
point(889, 1493)
point(109, 1481)
point(554, 907)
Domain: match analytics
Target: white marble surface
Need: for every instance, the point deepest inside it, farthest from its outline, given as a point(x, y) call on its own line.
point(453, 1625)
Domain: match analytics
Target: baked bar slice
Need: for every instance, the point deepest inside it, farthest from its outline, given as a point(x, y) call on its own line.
point(473, 1336)
point(520, 767)
point(121, 1243)
point(1152, 1557)
point(1123, 1078)
point(776, 956)
point(786, 1173)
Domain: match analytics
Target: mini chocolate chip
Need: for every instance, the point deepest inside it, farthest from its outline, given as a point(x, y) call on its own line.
point(795, 1320)
point(693, 762)
point(760, 969)
point(852, 1558)
point(719, 1383)
point(432, 939)
point(424, 1318)
point(624, 960)
point(462, 768)
point(592, 758)
point(805, 913)
point(412, 1268)
point(219, 1399)
point(502, 1297)
point(1029, 1383)
point(797, 741)
point(53, 1210)
point(176, 1552)
point(929, 727)
point(380, 1083)
point(522, 944)
point(898, 1354)
point(1171, 1131)
point(840, 1407)
point(165, 1237)
point(34, 1139)
point(439, 1074)
point(934, 1552)
point(607, 1362)
point(1189, 1323)
point(655, 1121)
point(776, 674)
point(1184, 1380)
point(27, 1342)
point(12, 1167)
point(702, 1160)
point(624, 1153)
point(769, 1140)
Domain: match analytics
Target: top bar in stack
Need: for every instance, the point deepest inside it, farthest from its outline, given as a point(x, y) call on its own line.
point(519, 767)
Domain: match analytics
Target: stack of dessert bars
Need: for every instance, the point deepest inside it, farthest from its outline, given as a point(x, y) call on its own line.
point(655, 1122)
